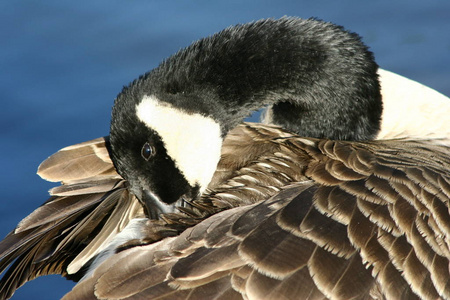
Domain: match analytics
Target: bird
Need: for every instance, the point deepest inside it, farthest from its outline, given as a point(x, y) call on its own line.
point(185, 201)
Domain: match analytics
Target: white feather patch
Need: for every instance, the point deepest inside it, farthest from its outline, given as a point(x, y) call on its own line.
point(133, 231)
point(413, 110)
point(193, 141)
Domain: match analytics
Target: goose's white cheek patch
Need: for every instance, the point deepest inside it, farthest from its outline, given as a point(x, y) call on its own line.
point(193, 141)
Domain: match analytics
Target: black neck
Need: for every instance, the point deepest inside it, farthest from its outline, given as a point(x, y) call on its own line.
point(320, 79)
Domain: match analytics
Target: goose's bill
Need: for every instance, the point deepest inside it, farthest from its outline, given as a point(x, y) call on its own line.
point(155, 207)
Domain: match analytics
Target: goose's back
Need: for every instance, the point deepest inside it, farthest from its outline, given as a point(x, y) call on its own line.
point(298, 218)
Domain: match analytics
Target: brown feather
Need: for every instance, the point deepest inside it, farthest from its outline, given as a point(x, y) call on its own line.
point(63, 229)
point(284, 217)
point(79, 162)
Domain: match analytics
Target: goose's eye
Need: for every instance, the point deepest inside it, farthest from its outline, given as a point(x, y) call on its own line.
point(147, 151)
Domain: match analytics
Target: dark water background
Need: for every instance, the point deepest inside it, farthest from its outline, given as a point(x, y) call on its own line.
point(62, 63)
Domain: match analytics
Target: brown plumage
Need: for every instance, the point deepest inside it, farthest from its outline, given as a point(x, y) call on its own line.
point(285, 217)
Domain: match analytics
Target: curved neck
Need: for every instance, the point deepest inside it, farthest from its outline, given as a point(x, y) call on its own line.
point(320, 80)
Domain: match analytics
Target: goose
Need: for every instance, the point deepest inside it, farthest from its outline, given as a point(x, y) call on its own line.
point(183, 200)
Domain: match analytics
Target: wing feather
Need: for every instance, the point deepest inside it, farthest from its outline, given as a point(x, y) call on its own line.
point(285, 217)
point(75, 223)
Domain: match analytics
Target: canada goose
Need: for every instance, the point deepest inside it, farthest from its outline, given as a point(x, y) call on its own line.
point(320, 213)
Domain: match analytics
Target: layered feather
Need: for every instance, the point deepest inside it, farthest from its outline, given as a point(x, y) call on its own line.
point(76, 223)
point(298, 218)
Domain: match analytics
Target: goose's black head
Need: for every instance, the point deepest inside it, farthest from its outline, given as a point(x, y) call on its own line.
point(167, 126)
point(165, 153)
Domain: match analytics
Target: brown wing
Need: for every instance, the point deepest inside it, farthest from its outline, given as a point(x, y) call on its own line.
point(90, 207)
point(83, 213)
point(364, 221)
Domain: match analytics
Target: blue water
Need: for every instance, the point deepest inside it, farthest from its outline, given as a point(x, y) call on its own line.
point(62, 64)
